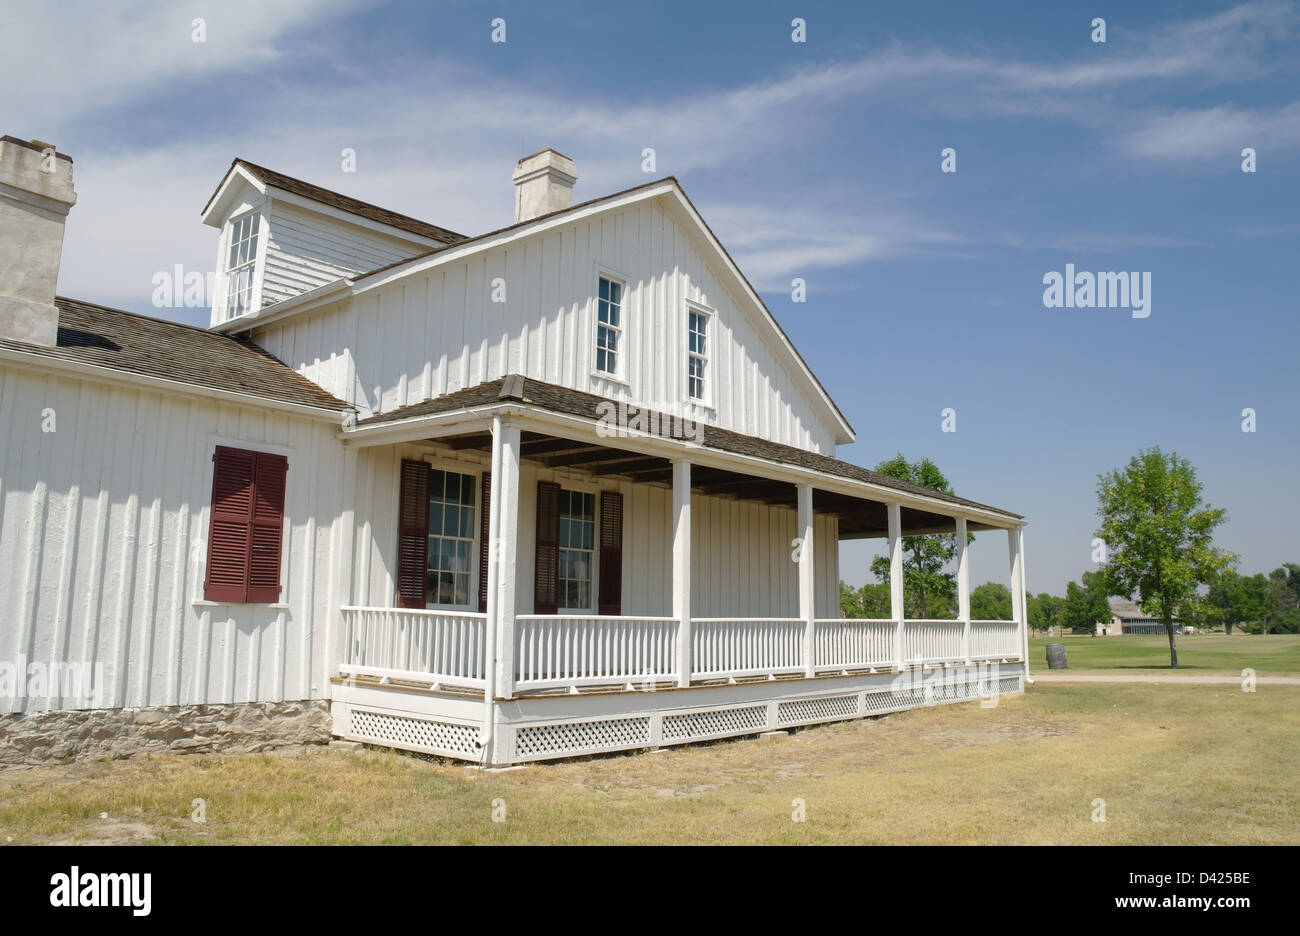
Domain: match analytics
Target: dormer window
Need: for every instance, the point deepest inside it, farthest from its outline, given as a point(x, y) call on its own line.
point(609, 325)
point(241, 259)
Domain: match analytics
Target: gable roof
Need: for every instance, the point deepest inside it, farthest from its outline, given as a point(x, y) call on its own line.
point(337, 200)
point(646, 189)
point(557, 399)
point(91, 334)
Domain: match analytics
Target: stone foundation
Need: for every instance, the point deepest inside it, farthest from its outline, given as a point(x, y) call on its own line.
point(45, 737)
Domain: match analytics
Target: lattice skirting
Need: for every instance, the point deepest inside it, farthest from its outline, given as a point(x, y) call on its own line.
point(416, 734)
point(661, 723)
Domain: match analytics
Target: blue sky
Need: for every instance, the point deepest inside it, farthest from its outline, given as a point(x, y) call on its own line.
point(818, 159)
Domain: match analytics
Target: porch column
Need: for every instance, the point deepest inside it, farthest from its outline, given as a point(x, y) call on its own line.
point(1024, 600)
point(895, 512)
point(807, 581)
point(504, 553)
point(682, 566)
point(1017, 581)
point(963, 588)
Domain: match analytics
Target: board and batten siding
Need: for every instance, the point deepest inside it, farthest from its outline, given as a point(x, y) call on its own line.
point(103, 545)
point(435, 332)
point(740, 550)
point(306, 249)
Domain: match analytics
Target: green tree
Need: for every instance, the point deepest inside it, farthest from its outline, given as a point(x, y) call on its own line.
point(1159, 534)
point(929, 590)
point(1283, 614)
point(1045, 611)
point(990, 602)
point(1235, 599)
point(872, 600)
point(1085, 605)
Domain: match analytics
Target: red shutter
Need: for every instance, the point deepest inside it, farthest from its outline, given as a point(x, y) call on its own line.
point(267, 527)
point(229, 524)
point(413, 535)
point(485, 502)
point(246, 526)
point(611, 553)
point(546, 570)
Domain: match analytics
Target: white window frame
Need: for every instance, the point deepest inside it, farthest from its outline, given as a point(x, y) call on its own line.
point(583, 487)
point(254, 263)
point(710, 341)
point(620, 372)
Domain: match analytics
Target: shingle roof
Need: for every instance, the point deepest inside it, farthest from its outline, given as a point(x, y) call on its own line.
point(137, 344)
point(344, 203)
point(558, 399)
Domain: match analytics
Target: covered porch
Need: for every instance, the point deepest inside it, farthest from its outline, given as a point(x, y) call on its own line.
point(522, 677)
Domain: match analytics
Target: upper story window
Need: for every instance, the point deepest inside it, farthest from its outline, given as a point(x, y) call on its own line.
point(451, 537)
point(577, 549)
point(609, 325)
point(697, 355)
point(240, 262)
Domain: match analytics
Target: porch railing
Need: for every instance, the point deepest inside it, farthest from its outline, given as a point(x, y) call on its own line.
point(555, 650)
point(994, 640)
point(442, 647)
point(933, 641)
point(852, 643)
point(733, 647)
point(572, 651)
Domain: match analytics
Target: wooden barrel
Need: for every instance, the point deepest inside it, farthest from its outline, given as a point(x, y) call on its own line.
point(1056, 656)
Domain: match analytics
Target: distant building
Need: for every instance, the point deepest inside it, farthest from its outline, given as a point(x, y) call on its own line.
point(1129, 618)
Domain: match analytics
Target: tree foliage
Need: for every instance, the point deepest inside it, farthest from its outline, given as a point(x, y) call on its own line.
point(1159, 534)
point(870, 601)
point(990, 602)
point(1234, 600)
point(1085, 605)
point(929, 589)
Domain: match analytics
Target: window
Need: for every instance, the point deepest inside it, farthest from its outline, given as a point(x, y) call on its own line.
point(240, 263)
point(697, 355)
point(577, 548)
point(451, 537)
point(609, 325)
point(246, 526)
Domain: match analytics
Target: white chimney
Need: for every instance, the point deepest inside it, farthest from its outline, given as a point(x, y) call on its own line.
point(35, 197)
point(543, 183)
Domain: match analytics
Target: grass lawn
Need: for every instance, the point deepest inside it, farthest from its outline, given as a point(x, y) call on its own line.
point(1174, 764)
point(1198, 654)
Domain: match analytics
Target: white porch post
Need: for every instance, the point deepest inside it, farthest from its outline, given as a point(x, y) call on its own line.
point(895, 512)
point(506, 549)
point(1017, 582)
point(1024, 600)
point(682, 566)
point(963, 588)
point(807, 581)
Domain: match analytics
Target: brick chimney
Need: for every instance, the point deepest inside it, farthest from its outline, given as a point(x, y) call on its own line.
point(543, 183)
point(35, 197)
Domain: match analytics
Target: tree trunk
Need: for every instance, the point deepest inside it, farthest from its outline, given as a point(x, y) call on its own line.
point(1227, 626)
point(1173, 650)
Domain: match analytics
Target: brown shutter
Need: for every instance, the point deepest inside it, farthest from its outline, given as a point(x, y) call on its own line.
point(546, 570)
point(229, 533)
point(484, 525)
point(267, 527)
point(413, 535)
point(611, 553)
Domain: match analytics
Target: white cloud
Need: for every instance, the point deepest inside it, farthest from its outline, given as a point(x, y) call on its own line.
point(1221, 131)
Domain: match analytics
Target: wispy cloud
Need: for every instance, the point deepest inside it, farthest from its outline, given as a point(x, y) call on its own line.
point(1221, 131)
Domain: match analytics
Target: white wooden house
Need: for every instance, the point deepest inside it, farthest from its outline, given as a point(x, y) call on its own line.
point(560, 488)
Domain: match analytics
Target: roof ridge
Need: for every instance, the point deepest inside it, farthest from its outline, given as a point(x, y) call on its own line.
point(517, 224)
point(258, 169)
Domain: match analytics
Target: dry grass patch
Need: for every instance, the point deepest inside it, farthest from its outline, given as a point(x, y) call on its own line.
point(1175, 764)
